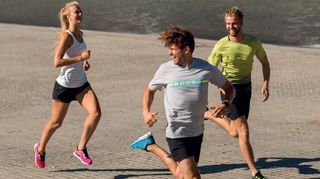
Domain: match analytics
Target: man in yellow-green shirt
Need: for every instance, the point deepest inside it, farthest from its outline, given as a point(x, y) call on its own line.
point(235, 53)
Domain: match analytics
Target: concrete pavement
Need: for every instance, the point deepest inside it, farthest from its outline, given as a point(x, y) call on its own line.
point(284, 130)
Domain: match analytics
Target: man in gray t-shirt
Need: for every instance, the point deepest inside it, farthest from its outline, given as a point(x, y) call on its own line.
point(186, 95)
point(185, 81)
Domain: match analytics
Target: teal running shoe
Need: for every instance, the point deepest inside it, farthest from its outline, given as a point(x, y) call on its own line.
point(143, 141)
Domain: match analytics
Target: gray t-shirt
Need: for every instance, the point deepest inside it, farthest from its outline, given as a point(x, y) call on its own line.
point(186, 95)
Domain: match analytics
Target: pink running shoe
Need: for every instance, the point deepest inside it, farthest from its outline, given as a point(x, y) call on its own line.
point(83, 156)
point(39, 159)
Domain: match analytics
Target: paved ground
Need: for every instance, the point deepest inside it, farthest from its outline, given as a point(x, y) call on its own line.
point(284, 130)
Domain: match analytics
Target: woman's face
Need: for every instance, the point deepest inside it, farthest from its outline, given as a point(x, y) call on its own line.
point(75, 15)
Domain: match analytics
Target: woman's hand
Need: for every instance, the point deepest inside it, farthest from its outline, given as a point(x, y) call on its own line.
point(85, 55)
point(86, 66)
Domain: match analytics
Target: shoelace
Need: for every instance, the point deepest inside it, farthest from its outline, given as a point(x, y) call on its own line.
point(84, 151)
point(42, 157)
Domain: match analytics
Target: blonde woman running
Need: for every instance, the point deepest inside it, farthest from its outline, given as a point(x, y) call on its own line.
point(71, 55)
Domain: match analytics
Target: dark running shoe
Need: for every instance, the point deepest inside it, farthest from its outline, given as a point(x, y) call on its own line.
point(259, 176)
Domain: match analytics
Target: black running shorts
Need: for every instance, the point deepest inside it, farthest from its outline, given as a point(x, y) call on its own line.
point(241, 103)
point(183, 148)
point(67, 95)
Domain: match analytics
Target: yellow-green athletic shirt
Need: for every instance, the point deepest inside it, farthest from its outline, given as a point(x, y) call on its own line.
point(236, 58)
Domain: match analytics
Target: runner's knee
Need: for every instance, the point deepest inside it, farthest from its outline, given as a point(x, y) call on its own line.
point(244, 135)
point(96, 115)
point(234, 134)
point(55, 125)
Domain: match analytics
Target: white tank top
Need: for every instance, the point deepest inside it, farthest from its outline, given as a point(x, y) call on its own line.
point(73, 76)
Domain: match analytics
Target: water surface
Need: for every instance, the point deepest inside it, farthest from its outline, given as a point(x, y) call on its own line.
point(287, 22)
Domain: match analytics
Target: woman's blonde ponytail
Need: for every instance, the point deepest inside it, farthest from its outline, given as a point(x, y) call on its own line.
point(63, 13)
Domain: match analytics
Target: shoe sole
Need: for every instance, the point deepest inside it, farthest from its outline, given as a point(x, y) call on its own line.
point(80, 159)
point(35, 157)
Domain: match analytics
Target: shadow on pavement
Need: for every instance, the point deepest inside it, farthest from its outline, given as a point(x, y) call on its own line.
point(265, 163)
point(122, 176)
point(111, 170)
point(301, 164)
point(133, 175)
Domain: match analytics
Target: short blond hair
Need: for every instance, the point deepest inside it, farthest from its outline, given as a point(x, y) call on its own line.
point(234, 11)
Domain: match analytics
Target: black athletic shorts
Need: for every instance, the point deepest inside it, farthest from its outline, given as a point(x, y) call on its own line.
point(183, 148)
point(67, 95)
point(241, 103)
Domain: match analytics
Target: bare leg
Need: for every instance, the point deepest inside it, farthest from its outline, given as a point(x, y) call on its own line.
point(225, 123)
point(188, 168)
point(58, 113)
point(165, 158)
point(90, 103)
point(244, 143)
point(239, 129)
point(184, 169)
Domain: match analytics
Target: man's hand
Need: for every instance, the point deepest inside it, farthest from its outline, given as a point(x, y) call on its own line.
point(265, 92)
point(216, 111)
point(149, 118)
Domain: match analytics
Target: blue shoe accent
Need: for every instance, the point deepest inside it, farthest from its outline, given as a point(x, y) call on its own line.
point(143, 141)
